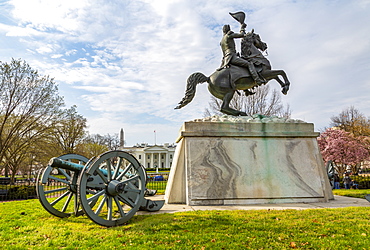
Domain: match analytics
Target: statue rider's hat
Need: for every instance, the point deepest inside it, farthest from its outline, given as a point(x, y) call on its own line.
point(238, 16)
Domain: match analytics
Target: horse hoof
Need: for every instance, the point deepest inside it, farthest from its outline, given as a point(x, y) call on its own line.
point(285, 90)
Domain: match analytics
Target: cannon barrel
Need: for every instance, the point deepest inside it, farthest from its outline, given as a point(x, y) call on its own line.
point(67, 165)
point(58, 163)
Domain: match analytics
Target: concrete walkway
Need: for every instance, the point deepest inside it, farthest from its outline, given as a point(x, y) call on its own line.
point(338, 202)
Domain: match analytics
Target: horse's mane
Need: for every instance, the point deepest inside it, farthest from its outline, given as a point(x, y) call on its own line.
point(249, 50)
point(246, 45)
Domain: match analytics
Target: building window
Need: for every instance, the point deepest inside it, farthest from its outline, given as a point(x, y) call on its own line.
point(162, 157)
point(139, 157)
point(148, 165)
point(170, 156)
point(162, 164)
point(155, 157)
point(148, 156)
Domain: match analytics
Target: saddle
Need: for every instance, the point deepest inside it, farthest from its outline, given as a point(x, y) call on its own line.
point(236, 72)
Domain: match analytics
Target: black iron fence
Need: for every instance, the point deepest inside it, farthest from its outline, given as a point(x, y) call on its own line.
point(17, 191)
point(26, 188)
point(157, 181)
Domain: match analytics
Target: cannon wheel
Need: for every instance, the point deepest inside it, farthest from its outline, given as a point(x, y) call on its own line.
point(112, 188)
point(56, 198)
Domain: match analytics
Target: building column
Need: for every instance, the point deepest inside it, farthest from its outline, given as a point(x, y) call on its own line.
point(159, 160)
point(152, 160)
point(144, 160)
point(167, 160)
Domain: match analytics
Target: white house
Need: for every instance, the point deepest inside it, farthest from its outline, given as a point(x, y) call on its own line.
point(153, 156)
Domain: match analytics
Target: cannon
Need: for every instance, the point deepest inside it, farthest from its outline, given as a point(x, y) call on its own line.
point(109, 188)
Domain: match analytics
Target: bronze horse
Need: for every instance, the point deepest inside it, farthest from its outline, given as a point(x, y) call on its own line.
point(225, 82)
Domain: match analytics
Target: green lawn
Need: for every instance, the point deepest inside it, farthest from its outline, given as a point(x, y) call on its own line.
point(26, 225)
point(357, 193)
point(160, 186)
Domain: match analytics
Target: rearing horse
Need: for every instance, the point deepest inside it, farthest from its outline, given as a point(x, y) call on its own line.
point(223, 83)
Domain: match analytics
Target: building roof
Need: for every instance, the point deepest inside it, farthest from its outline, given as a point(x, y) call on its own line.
point(147, 147)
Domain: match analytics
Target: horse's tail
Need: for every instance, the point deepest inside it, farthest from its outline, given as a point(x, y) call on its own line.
point(192, 82)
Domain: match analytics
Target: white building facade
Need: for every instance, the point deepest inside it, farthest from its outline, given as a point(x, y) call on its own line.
point(153, 156)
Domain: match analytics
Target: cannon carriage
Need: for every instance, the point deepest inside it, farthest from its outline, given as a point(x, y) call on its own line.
point(109, 188)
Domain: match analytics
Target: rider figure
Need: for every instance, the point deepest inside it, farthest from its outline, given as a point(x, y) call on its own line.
point(231, 57)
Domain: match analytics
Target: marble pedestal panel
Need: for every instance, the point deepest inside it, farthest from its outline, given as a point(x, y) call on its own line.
point(247, 162)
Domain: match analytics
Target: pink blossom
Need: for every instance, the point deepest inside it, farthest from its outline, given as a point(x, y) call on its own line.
point(341, 147)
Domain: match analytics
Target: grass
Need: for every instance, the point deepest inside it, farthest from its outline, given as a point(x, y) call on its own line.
point(26, 225)
point(160, 186)
point(357, 193)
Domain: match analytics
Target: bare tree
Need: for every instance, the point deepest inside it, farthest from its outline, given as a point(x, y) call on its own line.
point(110, 141)
point(69, 131)
point(353, 121)
point(90, 150)
point(27, 100)
point(263, 102)
point(16, 155)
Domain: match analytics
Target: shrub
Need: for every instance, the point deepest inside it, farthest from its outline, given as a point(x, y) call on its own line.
point(22, 192)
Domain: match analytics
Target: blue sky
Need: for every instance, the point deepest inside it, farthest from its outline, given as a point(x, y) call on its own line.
point(124, 63)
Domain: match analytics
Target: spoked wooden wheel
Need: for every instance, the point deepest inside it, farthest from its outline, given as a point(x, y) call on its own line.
point(111, 189)
point(56, 188)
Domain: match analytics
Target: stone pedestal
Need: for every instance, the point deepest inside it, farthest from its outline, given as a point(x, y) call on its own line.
point(236, 161)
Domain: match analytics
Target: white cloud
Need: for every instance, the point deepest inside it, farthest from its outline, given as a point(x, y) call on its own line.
point(20, 31)
point(57, 56)
point(62, 15)
point(70, 52)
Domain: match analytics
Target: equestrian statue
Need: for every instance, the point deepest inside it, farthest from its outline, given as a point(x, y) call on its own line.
point(244, 71)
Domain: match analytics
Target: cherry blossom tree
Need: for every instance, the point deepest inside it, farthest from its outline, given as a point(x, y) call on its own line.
point(343, 149)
